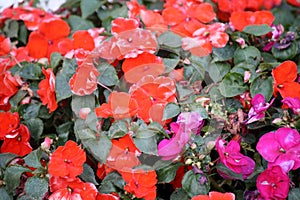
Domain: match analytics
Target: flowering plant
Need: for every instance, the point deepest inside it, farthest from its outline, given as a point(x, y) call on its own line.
point(174, 99)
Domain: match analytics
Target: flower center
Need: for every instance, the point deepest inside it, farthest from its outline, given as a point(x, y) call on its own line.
point(282, 150)
point(67, 161)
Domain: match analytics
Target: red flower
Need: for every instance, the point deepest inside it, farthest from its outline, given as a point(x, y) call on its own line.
point(9, 123)
point(120, 105)
point(9, 87)
point(49, 39)
point(4, 45)
point(19, 144)
point(46, 90)
point(152, 94)
point(241, 19)
point(84, 81)
point(230, 6)
point(123, 154)
point(294, 2)
point(205, 38)
point(284, 80)
point(144, 64)
point(120, 25)
point(215, 196)
point(83, 39)
point(134, 8)
point(107, 197)
point(153, 21)
point(71, 189)
point(67, 160)
point(140, 183)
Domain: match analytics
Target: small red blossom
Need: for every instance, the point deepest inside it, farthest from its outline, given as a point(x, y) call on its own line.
point(4, 45)
point(215, 196)
point(9, 123)
point(9, 87)
point(294, 2)
point(19, 144)
point(67, 160)
point(134, 8)
point(153, 21)
point(47, 90)
point(120, 25)
point(284, 80)
point(83, 39)
point(107, 197)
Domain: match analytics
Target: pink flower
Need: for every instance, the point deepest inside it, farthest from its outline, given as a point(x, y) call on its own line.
point(191, 120)
point(281, 147)
point(273, 184)
point(231, 157)
point(293, 103)
point(257, 111)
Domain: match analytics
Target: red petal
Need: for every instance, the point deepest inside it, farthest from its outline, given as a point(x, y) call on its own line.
point(173, 16)
point(82, 39)
point(37, 45)
point(285, 72)
point(122, 24)
point(204, 12)
point(54, 29)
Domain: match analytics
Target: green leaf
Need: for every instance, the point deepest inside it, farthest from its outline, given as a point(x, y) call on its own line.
point(169, 39)
point(112, 182)
point(108, 75)
point(55, 59)
point(36, 127)
point(77, 23)
point(168, 173)
point(294, 194)
point(12, 177)
point(32, 111)
point(33, 159)
point(170, 64)
point(283, 16)
point(31, 71)
point(232, 85)
point(11, 28)
point(229, 172)
point(4, 194)
point(88, 7)
point(218, 70)
point(179, 194)
point(249, 55)
point(79, 102)
point(118, 129)
point(5, 158)
point(171, 110)
point(191, 185)
point(262, 86)
point(258, 30)
point(36, 187)
point(88, 174)
point(285, 54)
point(15, 100)
point(223, 54)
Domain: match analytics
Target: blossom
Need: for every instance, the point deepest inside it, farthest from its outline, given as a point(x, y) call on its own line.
point(141, 183)
point(231, 157)
point(4, 45)
point(107, 197)
point(120, 105)
point(46, 90)
point(83, 39)
point(281, 147)
point(293, 103)
point(121, 24)
point(273, 183)
point(19, 144)
point(241, 19)
point(294, 2)
point(67, 160)
point(9, 87)
point(257, 111)
point(9, 123)
point(153, 21)
point(191, 120)
point(144, 64)
point(215, 196)
point(284, 80)
point(205, 38)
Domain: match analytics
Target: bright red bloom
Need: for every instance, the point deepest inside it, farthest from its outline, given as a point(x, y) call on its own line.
point(67, 160)
point(9, 123)
point(140, 183)
point(48, 39)
point(294, 2)
point(205, 38)
point(47, 90)
point(134, 8)
point(83, 39)
point(241, 19)
point(152, 94)
point(84, 81)
point(4, 45)
point(284, 80)
point(144, 64)
point(71, 189)
point(19, 144)
point(153, 21)
point(121, 24)
point(107, 197)
point(120, 105)
point(230, 6)
point(9, 87)
point(123, 154)
point(215, 196)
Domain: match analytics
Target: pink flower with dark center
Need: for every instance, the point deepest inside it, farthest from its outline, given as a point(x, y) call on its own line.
point(281, 147)
point(231, 157)
point(259, 106)
point(273, 184)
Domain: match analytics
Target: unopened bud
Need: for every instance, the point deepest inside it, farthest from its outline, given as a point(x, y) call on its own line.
point(188, 161)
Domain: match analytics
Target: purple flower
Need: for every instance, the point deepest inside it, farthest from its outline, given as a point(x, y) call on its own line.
point(191, 120)
point(293, 103)
point(231, 157)
point(273, 184)
point(281, 147)
point(257, 111)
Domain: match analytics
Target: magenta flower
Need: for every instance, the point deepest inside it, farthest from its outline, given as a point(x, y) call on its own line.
point(191, 120)
point(281, 147)
point(293, 103)
point(231, 157)
point(273, 184)
point(257, 111)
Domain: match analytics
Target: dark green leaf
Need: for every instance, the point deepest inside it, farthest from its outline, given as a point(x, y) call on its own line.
point(88, 174)
point(223, 54)
point(294, 194)
point(283, 16)
point(145, 138)
point(229, 172)
point(5, 158)
point(262, 86)
point(285, 54)
point(88, 7)
point(77, 23)
point(112, 182)
point(12, 177)
point(79, 102)
point(35, 126)
point(108, 75)
point(179, 194)
point(33, 159)
point(4, 194)
point(232, 85)
point(32, 111)
point(257, 30)
point(118, 129)
point(23, 34)
point(169, 39)
point(31, 71)
point(36, 187)
point(191, 184)
point(171, 110)
point(55, 59)
point(170, 64)
point(249, 55)
point(15, 100)
point(184, 91)
point(11, 28)
point(218, 70)
point(168, 173)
